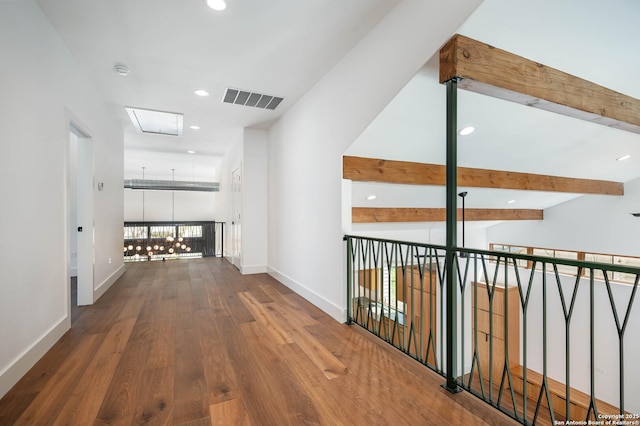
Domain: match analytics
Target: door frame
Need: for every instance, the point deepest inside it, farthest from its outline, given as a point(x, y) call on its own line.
point(236, 217)
point(85, 217)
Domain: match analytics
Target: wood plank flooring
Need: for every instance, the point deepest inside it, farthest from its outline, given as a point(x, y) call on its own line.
point(193, 342)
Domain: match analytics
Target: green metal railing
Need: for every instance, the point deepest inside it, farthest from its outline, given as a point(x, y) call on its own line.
point(387, 286)
point(536, 344)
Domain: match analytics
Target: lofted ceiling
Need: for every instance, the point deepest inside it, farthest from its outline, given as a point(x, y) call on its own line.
point(283, 47)
point(588, 39)
point(172, 48)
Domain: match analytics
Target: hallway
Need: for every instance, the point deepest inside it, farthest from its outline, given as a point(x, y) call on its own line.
point(196, 343)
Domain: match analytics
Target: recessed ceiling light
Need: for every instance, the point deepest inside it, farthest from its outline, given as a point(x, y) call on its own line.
point(467, 130)
point(511, 201)
point(216, 4)
point(371, 197)
point(624, 157)
point(191, 152)
point(201, 92)
point(194, 127)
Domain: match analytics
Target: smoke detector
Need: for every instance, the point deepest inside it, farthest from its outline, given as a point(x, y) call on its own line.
point(121, 69)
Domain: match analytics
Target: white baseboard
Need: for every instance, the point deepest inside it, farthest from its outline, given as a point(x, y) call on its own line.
point(336, 312)
point(25, 361)
point(106, 284)
point(257, 269)
point(16, 370)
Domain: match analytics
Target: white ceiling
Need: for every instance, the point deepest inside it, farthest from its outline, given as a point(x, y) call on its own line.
point(276, 47)
point(588, 39)
point(283, 47)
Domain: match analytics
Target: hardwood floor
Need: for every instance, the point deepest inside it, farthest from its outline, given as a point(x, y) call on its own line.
point(196, 343)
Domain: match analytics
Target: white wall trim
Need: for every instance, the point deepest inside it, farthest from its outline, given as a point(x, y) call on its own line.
point(25, 361)
point(336, 312)
point(106, 284)
point(255, 269)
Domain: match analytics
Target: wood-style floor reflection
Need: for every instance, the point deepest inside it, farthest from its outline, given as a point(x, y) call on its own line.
point(194, 342)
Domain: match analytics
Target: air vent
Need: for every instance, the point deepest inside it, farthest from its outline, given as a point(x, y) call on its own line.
point(171, 185)
point(252, 99)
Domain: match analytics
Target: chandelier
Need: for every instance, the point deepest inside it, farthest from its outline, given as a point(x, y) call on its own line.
point(157, 242)
point(157, 248)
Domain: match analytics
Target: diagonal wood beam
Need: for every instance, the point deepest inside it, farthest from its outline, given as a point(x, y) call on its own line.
point(399, 214)
point(494, 72)
point(405, 172)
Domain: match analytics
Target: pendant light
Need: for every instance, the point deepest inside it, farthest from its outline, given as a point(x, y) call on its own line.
point(175, 247)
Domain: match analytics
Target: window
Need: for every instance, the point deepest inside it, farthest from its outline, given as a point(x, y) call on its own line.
point(606, 259)
point(135, 232)
point(558, 254)
point(379, 285)
point(599, 258)
point(390, 288)
point(625, 261)
point(190, 231)
point(506, 248)
point(162, 231)
point(633, 262)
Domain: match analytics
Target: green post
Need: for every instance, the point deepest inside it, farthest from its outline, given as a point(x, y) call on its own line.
point(349, 280)
point(452, 224)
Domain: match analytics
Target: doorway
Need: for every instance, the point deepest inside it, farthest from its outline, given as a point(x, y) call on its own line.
point(80, 208)
point(236, 209)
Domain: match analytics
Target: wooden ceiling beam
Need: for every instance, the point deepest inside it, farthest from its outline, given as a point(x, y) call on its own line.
point(494, 72)
point(404, 172)
point(400, 214)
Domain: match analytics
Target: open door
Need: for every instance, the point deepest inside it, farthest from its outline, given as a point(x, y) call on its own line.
point(236, 209)
point(81, 212)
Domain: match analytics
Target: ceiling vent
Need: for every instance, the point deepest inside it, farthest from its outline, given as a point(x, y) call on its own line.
point(171, 185)
point(251, 99)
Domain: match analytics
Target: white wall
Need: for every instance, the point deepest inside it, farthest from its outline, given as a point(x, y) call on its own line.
point(159, 205)
point(249, 153)
point(307, 143)
point(595, 223)
point(423, 232)
point(254, 202)
point(40, 93)
point(606, 349)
